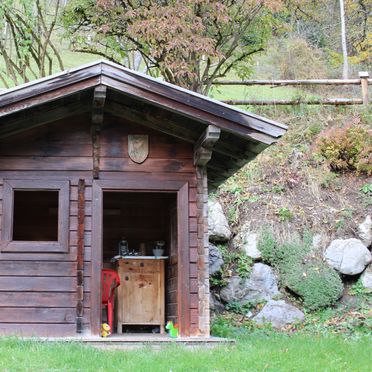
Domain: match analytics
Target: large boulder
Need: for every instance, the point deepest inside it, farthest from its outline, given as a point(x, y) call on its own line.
point(365, 231)
point(366, 277)
point(348, 256)
point(279, 314)
point(246, 241)
point(260, 286)
point(215, 259)
point(218, 227)
point(215, 304)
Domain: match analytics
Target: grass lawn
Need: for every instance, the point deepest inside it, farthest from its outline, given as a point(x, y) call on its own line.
point(276, 352)
point(253, 92)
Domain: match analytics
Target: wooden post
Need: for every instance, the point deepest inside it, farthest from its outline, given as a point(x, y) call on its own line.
point(80, 257)
point(99, 99)
point(364, 75)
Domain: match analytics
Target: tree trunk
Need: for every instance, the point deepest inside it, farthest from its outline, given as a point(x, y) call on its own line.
point(345, 69)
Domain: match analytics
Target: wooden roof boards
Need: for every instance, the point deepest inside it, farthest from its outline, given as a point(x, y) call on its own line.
point(151, 102)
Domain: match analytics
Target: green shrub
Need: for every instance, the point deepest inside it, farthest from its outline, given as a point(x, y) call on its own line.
point(235, 261)
point(284, 214)
point(268, 245)
point(279, 255)
point(347, 149)
point(317, 284)
point(243, 265)
point(366, 188)
point(237, 308)
point(222, 327)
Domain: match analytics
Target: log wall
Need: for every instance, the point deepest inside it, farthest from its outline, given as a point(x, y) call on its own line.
point(38, 291)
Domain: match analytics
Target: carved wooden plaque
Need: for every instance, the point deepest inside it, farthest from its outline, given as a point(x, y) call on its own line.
point(138, 147)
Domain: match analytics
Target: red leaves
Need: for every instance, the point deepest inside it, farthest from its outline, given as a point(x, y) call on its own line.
point(190, 42)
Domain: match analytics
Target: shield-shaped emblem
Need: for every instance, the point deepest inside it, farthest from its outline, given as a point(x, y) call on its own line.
point(138, 147)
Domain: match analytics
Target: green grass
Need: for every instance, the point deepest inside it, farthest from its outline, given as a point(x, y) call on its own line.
point(224, 92)
point(274, 352)
point(70, 59)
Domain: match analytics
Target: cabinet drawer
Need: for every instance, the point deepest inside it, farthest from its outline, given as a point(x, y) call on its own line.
point(140, 266)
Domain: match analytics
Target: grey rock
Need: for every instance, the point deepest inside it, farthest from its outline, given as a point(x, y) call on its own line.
point(279, 314)
point(215, 305)
point(365, 231)
point(260, 286)
point(218, 227)
point(366, 277)
point(215, 259)
point(246, 241)
point(348, 256)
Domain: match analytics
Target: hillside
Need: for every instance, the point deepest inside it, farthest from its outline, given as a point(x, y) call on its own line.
point(290, 188)
point(288, 194)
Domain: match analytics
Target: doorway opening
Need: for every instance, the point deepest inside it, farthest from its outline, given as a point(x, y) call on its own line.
point(134, 224)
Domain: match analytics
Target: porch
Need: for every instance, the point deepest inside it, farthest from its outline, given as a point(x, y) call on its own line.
point(139, 340)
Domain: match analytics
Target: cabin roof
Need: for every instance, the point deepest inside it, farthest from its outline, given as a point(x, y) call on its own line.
point(150, 102)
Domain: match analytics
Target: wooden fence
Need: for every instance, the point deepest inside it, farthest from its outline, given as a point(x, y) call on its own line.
point(363, 82)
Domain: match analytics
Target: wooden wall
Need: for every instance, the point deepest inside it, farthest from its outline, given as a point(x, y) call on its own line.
point(38, 290)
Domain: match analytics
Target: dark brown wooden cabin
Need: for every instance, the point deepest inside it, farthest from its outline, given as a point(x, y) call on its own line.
point(69, 191)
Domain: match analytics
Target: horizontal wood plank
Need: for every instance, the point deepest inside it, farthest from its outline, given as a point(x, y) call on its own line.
point(74, 193)
point(74, 208)
point(70, 256)
point(149, 165)
point(42, 284)
point(74, 238)
point(74, 223)
point(62, 175)
point(39, 330)
point(40, 315)
point(157, 149)
point(38, 268)
point(46, 149)
point(45, 163)
point(41, 299)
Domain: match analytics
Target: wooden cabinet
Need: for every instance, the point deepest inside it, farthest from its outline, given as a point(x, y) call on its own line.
point(141, 292)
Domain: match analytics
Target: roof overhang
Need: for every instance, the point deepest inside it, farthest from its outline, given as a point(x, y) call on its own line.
point(163, 106)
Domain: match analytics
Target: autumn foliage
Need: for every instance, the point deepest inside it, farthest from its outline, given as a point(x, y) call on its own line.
point(188, 42)
point(347, 149)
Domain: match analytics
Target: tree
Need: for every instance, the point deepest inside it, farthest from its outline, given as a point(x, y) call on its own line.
point(188, 42)
point(345, 68)
point(26, 45)
point(319, 23)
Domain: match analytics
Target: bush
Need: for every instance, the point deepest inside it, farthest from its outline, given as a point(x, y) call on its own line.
point(222, 327)
point(279, 255)
point(268, 246)
point(317, 284)
point(235, 261)
point(347, 149)
point(298, 60)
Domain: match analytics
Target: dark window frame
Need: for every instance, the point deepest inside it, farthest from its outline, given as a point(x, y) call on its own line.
point(59, 246)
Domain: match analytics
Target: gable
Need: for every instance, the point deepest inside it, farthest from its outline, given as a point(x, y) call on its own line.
point(156, 105)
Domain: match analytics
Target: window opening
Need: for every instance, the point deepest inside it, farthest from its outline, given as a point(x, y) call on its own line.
point(35, 215)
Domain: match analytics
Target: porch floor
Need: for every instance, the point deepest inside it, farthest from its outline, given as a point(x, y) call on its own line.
point(136, 340)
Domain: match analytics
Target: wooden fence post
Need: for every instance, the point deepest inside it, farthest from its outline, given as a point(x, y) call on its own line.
point(364, 75)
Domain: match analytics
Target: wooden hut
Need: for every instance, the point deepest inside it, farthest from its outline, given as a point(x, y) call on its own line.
point(99, 154)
